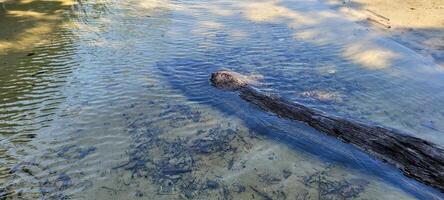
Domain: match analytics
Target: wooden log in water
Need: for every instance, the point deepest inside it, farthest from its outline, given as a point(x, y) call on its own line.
point(415, 157)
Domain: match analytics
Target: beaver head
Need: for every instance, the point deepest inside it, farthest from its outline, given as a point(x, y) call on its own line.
point(227, 80)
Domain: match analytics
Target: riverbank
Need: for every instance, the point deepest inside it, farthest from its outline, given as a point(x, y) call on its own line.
point(417, 24)
point(29, 24)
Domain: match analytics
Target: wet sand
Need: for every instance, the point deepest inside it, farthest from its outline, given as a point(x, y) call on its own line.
point(417, 24)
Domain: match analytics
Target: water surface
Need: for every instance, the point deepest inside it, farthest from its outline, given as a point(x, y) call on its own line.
point(119, 106)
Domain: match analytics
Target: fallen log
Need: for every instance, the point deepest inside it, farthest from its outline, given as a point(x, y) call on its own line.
point(415, 157)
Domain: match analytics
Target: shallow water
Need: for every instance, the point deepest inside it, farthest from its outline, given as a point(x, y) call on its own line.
point(119, 106)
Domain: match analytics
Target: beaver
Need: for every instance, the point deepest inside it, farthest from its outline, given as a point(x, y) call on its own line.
point(229, 80)
point(415, 157)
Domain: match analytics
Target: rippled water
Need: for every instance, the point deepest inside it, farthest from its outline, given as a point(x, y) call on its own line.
point(118, 105)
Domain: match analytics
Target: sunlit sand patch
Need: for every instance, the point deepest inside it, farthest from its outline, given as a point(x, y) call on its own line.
point(323, 95)
point(88, 29)
point(357, 14)
point(29, 13)
point(158, 5)
point(264, 11)
point(400, 13)
point(211, 25)
point(370, 56)
point(410, 22)
point(154, 4)
point(314, 35)
point(269, 11)
point(219, 10)
point(326, 70)
point(327, 14)
point(238, 34)
point(333, 2)
point(207, 28)
point(62, 2)
point(29, 36)
point(308, 34)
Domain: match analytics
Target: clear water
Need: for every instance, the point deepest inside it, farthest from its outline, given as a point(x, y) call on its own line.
point(118, 105)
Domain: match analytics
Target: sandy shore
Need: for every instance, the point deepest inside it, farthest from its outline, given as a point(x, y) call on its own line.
point(417, 24)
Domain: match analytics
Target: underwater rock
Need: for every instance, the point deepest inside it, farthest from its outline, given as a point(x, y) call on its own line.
point(286, 173)
point(415, 157)
point(211, 184)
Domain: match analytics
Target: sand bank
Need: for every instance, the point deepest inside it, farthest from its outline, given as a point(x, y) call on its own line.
point(417, 24)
